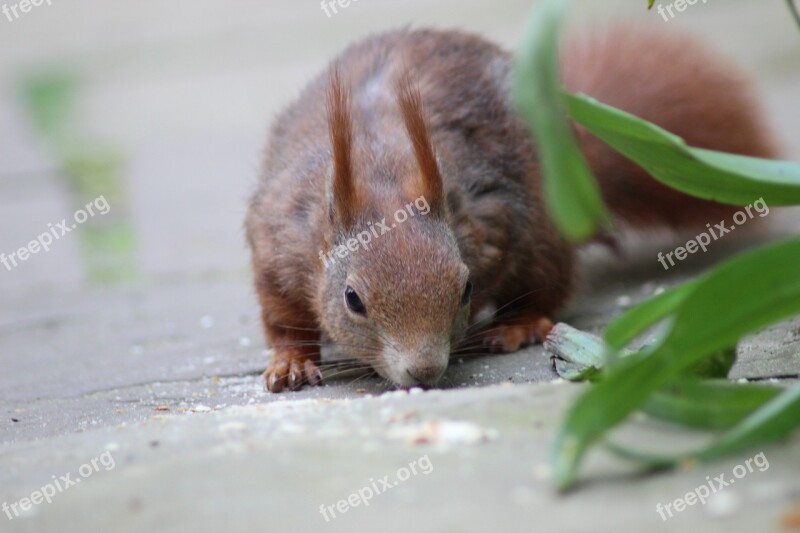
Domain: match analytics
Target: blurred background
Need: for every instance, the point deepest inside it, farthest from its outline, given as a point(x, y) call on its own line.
point(163, 108)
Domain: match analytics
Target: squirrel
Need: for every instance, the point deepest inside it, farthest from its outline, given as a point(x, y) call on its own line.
point(421, 121)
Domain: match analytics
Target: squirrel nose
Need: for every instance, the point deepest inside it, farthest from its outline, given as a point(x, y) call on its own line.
point(427, 374)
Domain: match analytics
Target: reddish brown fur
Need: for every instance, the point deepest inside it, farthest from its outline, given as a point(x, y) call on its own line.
point(492, 226)
point(676, 82)
point(430, 183)
point(348, 195)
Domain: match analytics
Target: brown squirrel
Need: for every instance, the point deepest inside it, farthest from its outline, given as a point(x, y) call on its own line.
point(421, 121)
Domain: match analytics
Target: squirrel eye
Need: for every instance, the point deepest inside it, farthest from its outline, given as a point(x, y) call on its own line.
point(467, 293)
point(353, 302)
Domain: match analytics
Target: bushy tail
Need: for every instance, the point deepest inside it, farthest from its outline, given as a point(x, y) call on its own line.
point(679, 84)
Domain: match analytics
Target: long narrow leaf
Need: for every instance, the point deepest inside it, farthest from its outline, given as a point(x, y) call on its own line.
point(722, 177)
point(709, 404)
point(640, 317)
point(776, 419)
point(572, 194)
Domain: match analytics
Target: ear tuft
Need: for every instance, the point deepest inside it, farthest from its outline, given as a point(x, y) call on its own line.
point(345, 199)
point(429, 182)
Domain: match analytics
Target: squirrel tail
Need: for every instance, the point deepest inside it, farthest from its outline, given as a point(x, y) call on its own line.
point(677, 83)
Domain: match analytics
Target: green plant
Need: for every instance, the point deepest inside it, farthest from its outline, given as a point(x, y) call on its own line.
point(703, 319)
point(91, 169)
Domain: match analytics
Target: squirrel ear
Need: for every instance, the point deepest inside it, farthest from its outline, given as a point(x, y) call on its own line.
point(428, 182)
point(345, 200)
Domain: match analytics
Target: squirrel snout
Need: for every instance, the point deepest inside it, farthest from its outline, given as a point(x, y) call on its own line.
point(417, 367)
point(426, 374)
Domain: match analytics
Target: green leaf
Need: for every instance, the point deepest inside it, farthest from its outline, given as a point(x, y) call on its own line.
point(708, 404)
point(572, 194)
point(603, 406)
point(640, 317)
point(717, 365)
point(774, 420)
point(735, 299)
point(738, 297)
point(726, 178)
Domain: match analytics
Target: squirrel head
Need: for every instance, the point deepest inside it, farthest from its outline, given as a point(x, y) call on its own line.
point(396, 293)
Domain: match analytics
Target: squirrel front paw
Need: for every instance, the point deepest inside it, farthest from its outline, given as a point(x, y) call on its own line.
point(510, 337)
point(292, 371)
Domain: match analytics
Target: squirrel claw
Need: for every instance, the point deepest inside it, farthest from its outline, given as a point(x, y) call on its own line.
point(295, 376)
point(313, 373)
point(293, 373)
point(275, 375)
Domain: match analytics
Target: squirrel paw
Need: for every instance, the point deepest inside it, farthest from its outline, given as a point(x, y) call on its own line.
point(293, 372)
point(506, 338)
